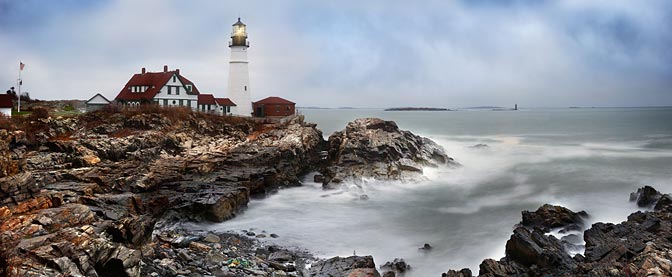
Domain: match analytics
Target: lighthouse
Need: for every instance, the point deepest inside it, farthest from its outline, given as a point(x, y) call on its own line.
point(239, 77)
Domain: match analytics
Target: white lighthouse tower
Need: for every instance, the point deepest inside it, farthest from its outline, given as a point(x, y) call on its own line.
point(239, 77)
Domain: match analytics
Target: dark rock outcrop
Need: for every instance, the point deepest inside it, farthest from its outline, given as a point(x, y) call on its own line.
point(374, 148)
point(396, 266)
point(549, 217)
point(465, 272)
point(639, 246)
point(645, 196)
point(353, 266)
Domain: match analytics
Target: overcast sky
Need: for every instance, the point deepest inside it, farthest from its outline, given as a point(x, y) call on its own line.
point(353, 53)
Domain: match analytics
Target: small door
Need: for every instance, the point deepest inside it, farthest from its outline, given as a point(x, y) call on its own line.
point(260, 112)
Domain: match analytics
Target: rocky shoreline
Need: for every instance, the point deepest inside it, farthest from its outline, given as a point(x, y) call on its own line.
point(105, 193)
point(640, 246)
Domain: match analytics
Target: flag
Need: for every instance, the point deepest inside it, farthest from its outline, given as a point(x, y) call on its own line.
point(21, 65)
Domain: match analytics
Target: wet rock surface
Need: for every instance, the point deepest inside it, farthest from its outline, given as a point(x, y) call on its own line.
point(106, 193)
point(397, 266)
point(639, 246)
point(375, 148)
point(549, 217)
point(189, 253)
point(353, 266)
point(83, 196)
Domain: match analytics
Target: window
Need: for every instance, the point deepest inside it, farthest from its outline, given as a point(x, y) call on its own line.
point(174, 78)
point(228, 109)
point(288, 108)
point(245, 88)
point(177, 90)
point(169, 90)
point(277, 108)
point(188, 88)
point(174, 102)
point(181, 102)
point(165, 102)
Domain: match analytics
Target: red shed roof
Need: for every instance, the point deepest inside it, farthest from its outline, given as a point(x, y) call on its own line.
point(206, 99)
point(224, 102)
point(6, 101)
point(274, 100)
point(155, 81)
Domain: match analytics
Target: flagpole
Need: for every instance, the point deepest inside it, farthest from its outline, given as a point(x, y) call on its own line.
point(20, 82)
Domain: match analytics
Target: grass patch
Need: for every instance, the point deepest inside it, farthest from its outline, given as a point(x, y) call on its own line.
point(21, 113)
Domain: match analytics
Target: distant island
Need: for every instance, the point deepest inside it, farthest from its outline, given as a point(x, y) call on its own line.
point(313, 108)
point(416, 109)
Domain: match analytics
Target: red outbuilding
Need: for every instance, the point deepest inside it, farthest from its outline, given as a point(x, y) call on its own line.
point(273, 106)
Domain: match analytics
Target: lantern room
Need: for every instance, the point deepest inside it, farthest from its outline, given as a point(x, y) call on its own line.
point(239, 35)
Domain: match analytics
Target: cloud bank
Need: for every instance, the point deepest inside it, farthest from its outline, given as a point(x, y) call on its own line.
point(353, 53)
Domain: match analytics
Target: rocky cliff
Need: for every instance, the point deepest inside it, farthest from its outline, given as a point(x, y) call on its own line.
point(82, 195)
point(375, 148)
point(101, 194)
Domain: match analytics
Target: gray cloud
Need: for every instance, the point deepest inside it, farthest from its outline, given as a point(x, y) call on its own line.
point(364, 53)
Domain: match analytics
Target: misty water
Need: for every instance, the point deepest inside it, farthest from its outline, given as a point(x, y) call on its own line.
point(583, 159)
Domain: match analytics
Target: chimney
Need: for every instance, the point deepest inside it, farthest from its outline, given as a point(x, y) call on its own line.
point(144, 70)
point(177, 71)
point(165, 68)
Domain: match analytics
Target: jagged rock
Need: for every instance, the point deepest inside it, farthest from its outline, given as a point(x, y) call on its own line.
point(549, 217)
point(133, 230)
point(645, 196)
point(664, 203)
point(397, 265)
point(465, 272)
point(372, 147)
point(534, 248)
point(426, 247)
point(353, 266)
point(639, 246)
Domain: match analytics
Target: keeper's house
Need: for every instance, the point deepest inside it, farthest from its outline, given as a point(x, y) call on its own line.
point(169, 89)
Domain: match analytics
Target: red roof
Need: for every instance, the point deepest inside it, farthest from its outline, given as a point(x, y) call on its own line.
point(155, 81)
point(274, 100)
point(224, 102)
point(6, 101)
point(206, 99)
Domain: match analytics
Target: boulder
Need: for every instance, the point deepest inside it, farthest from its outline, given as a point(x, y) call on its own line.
point(465, 272)
point(534, 248)
point(549, 217)
point(645, 196)
point(353, 266)
point(397, 265)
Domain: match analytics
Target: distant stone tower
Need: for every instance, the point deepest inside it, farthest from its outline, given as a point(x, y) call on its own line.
point(239, 77)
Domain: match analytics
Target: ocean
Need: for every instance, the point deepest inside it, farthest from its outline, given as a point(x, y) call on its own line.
point(584, 159)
